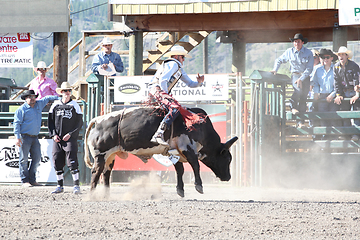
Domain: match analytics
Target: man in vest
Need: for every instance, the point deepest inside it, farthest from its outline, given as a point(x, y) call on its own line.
point(169, 73)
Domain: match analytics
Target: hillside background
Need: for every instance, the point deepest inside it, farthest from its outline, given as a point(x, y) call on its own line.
point(92, 15)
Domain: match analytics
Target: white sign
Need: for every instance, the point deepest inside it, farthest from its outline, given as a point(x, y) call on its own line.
point(16, 50)
point(170, 2)
point(135, 89)
point(349, 12)
point(9, 162)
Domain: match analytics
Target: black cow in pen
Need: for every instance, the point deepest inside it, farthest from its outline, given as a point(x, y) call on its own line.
point(130, 130)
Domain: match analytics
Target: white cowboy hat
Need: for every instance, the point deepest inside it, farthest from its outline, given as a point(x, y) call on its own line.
point(106, 41)
point(64, 86)
point(177, 50)
point(315, 52)
point(41, 64)
point(344, 49)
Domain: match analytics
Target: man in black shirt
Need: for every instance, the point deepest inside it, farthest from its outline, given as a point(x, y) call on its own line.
point(65, 121)
point(346, 78)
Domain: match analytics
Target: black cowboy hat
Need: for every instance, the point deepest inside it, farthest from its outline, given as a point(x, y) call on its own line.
point(28, 93)
point(299, 36)
point(325, 51)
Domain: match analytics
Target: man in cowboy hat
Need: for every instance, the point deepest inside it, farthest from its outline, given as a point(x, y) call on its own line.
point(346, 76)
point(42, 85)
point(301, 65)
point(165, 78)
point(65, 122)
point(27, 123)
point(106, 58)
point(323, 86)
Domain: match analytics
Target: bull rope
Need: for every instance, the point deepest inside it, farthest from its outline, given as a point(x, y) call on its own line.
point(121, 118)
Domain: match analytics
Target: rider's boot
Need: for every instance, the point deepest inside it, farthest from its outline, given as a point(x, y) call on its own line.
point(158, 137)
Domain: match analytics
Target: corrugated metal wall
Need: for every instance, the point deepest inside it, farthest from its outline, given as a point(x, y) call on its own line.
point(222, 7)
point(34, 16)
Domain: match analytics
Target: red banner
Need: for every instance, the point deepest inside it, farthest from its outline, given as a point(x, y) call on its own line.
point(133, 163)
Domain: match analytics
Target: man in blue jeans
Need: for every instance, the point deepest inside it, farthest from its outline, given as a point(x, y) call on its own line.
point(27, 123)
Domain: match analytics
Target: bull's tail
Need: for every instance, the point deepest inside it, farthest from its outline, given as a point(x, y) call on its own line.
point(88, 163)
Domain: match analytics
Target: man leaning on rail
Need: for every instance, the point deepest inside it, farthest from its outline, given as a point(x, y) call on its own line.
point(301, 65)
point(27, 123)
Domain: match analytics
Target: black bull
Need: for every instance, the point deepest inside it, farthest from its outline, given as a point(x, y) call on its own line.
point(129, 131)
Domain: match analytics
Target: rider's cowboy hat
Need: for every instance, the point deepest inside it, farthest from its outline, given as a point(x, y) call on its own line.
point(41, 64)
point(299, 36)
point(64, 86)
point(177, 50)
point(106, 41)
point(344, 49)
point(28, 93)
point(325, 51)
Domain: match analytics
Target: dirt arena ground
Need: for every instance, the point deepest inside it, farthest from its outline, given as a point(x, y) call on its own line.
point(146, 209)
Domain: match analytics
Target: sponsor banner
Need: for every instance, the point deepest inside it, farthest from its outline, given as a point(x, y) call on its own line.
point(9, 162)
point(170, 2)
point(135, 89)
point(349, 12)
point(16, 50)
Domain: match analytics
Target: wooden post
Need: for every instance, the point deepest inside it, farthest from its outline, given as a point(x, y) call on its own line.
point(238, 57)
point(339, 37)
point(136, 54)
point(60, 45)
point(82, 61)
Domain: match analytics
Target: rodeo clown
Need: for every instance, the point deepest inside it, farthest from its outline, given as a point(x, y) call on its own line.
point(65, 122)
point(165, 78)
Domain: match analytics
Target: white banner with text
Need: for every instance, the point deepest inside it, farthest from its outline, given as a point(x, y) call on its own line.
point(16, 51)
point(349, 12)
point(135, 89)
point(9, 162)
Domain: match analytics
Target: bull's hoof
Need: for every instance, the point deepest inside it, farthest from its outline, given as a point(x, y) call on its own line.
point(180, 192)
point(199, 188)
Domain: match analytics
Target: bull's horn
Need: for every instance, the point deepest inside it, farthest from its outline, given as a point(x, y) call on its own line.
point(230, 142)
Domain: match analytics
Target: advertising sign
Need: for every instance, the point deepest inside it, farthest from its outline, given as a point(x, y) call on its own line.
point(135, 89)
point(16, 51)
point(9, 162)
point(349, 12)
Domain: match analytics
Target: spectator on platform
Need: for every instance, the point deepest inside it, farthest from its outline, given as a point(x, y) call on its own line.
point(107, 62)
point(316, 55)
point(323, 87)
point(42, 85)
point(27, 123)
point(346, 76)
point(317, 63)
point(301, 65)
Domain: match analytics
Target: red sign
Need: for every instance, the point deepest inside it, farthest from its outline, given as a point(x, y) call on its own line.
point(133, 163)
point(23, 37)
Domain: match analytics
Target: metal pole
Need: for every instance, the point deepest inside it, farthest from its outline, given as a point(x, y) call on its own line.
point(237, 114)
point(252, 133)
point(205, 56)
point(239, 123)
point(106, 96)
point(233, 132)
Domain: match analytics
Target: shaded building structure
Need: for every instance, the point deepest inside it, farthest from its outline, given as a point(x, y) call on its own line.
point(236, 22)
